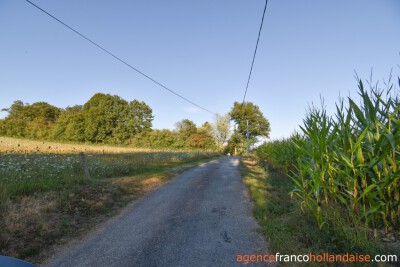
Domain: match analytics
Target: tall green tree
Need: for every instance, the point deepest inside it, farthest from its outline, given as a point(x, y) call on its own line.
point(70, 125)
point(41, 111)
point(101, 114)
point(248, 112)
point(135, 118)
point(30, 120)
point(185, 128)
point(139, 117)
point(41, 117)
point(15, 123)
point(112, 119)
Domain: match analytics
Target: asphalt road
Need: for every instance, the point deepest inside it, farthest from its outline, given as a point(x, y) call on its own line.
point(201, 218)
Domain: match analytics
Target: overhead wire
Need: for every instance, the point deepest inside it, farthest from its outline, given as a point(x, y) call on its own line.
point(118, 58)
point(255, 52)
point(248, 79)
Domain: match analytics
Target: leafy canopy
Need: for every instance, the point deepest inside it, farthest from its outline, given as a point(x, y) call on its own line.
point(258, 124)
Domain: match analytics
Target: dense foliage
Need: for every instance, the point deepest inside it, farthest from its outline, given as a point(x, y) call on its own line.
point(249, 122)
point(32, 121)
point(105, 118)
point(248, 112)
point(186, 136)
point(102, 119)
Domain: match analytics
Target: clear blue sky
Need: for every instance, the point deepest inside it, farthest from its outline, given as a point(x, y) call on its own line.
point(201, 49)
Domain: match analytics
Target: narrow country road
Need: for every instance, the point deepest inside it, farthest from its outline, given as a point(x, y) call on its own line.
point(201, 218)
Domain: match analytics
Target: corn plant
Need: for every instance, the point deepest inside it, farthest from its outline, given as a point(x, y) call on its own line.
point(352, 159)
point(279, 155)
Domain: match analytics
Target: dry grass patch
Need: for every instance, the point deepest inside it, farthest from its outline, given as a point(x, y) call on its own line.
point(151, 184)
point(32, 224)
point(23, 146)
point(29, 224)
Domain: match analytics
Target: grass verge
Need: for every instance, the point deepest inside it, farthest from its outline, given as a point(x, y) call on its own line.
point(32, 225)
point(292, 232)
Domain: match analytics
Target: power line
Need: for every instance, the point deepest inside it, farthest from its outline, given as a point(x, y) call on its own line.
point(255, 51)
point(118, 58)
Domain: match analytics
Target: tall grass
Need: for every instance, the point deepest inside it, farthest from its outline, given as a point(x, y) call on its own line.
point(352, 160)
point(27, 168)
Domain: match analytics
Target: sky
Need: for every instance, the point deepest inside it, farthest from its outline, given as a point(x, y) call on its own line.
point(202, 50)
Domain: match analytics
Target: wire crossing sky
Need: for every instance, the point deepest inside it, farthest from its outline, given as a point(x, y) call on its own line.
point(255, 51)
point(309, 50)
point(118, 58)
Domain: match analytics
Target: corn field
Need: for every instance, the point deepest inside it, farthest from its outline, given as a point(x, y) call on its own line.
point(351, 160)
point(279, 155)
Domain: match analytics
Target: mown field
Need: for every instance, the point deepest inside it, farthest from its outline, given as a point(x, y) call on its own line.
point(45, 195)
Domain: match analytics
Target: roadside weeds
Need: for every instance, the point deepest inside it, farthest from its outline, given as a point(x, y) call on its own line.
point(33, 226)
point(288, 230)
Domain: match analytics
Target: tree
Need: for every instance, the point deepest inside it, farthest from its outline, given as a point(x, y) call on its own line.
point(16, 109)
point(236, 144)
point(70, 125)
point(112, 119)
point(41, 117)
point(185, 128)
point(221, 129)
point(206, 129)
point(75, 130)
point(102, 113)
point(139, 117)
point(15, 127)
point(33, 121)
point(203, 138)
point(199, 140)
point(161, 138)
point(2, 130)
point(248, 112)
point(15, 123)
point(41, 111)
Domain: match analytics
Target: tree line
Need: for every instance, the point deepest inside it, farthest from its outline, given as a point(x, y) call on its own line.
point(109, 119)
